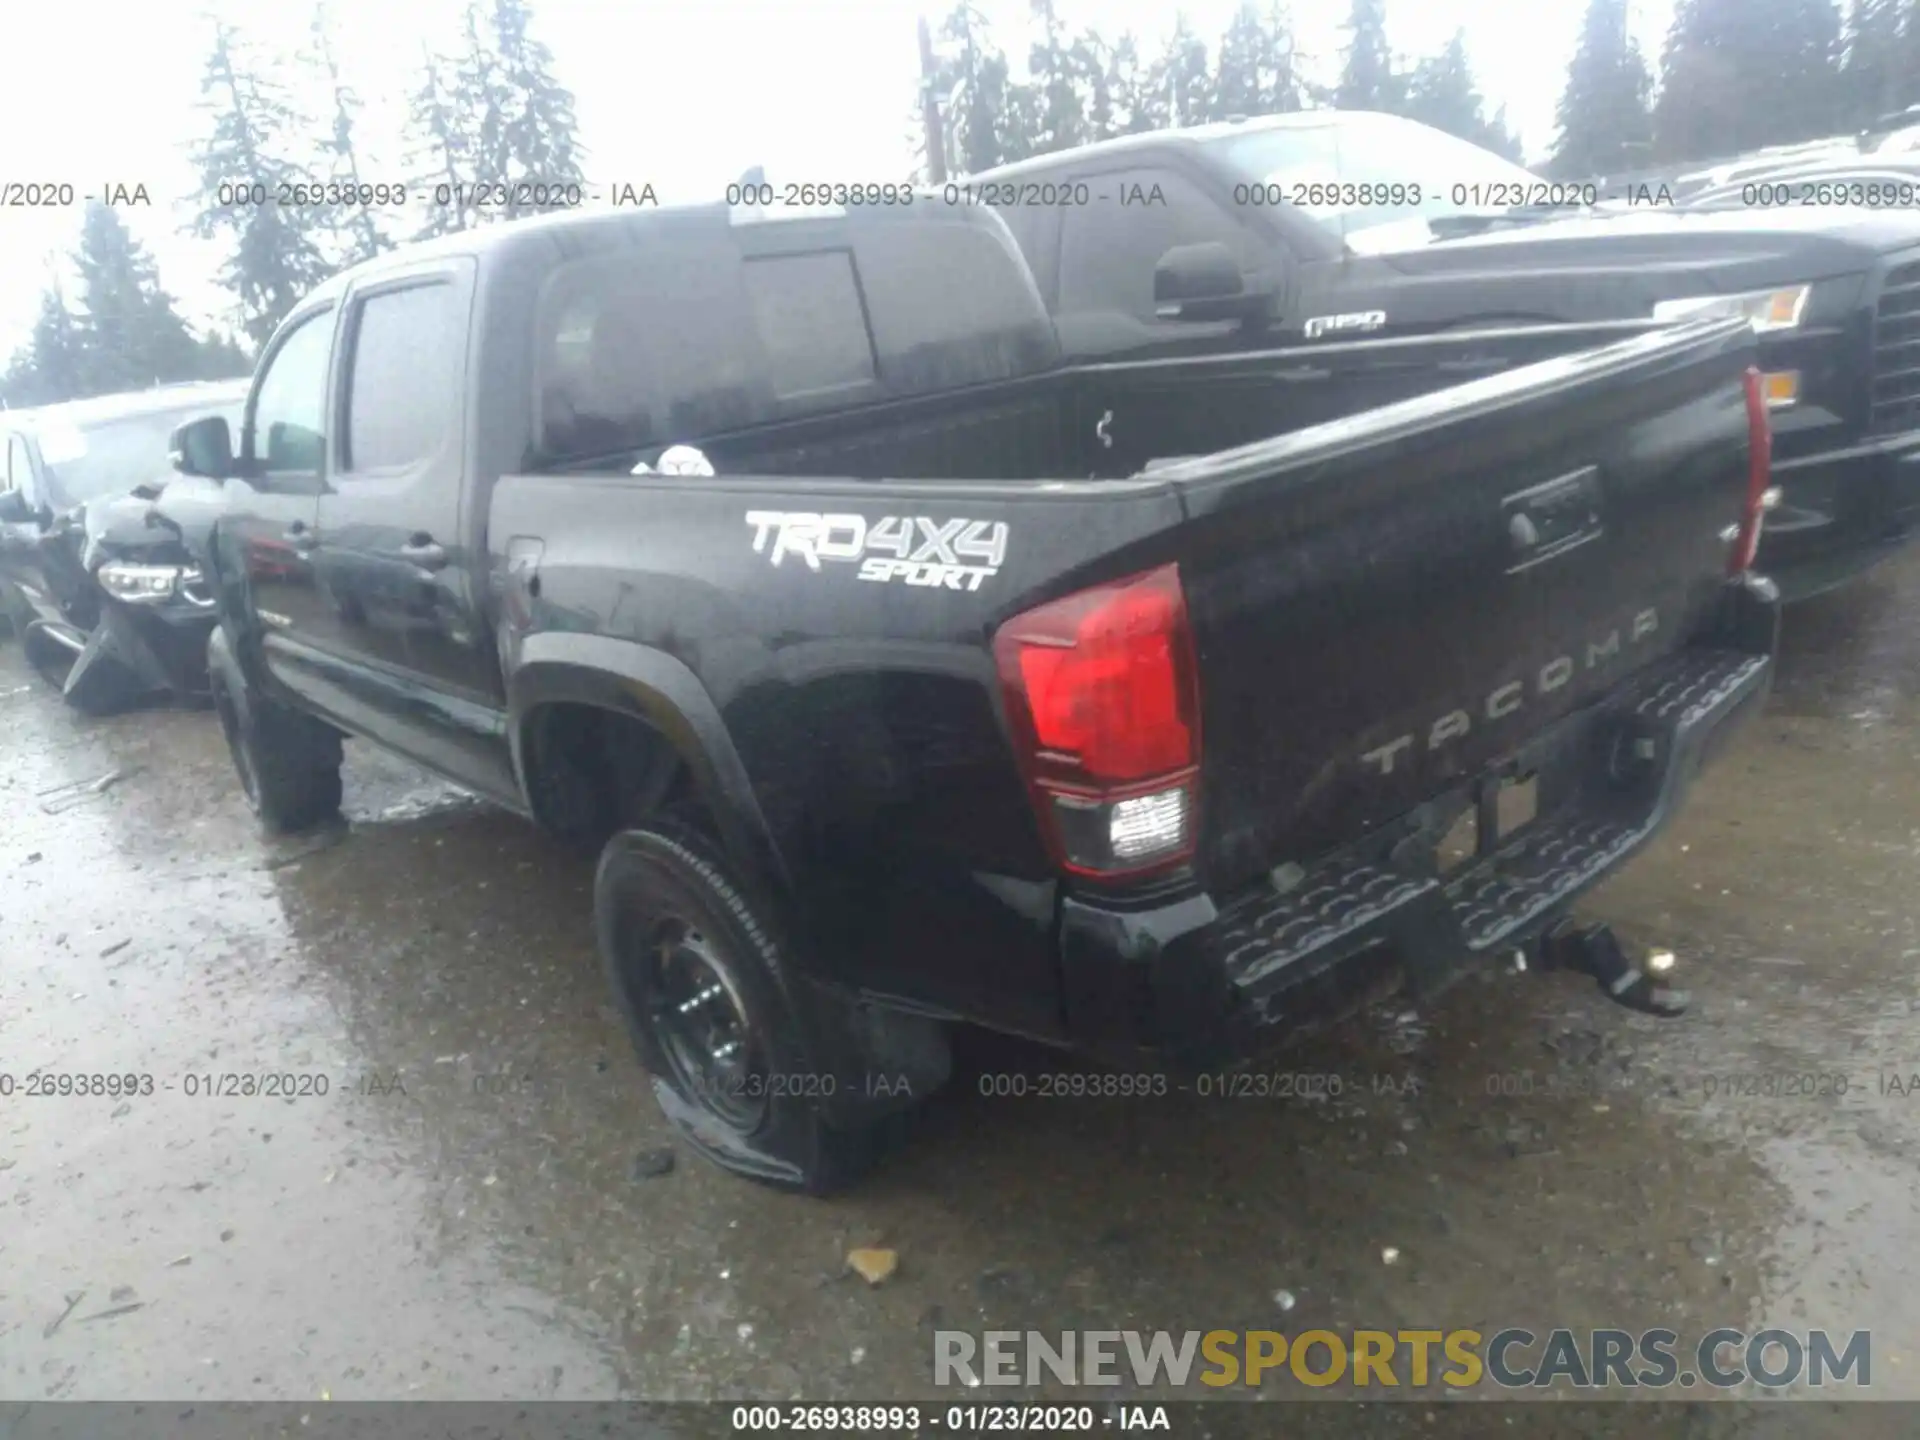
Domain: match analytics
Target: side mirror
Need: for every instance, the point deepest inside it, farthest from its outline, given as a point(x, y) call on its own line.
point(203, 447)
point(1204, 282)
point(14, 509)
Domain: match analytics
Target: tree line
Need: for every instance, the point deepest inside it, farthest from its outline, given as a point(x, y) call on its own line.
point(1734, 75)
point(487, 107)
point(1084, 86)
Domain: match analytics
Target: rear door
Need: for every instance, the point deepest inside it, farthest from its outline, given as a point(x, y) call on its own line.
point(402, 642)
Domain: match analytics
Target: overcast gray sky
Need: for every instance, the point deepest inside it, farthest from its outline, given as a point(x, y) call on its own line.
point(680, 93)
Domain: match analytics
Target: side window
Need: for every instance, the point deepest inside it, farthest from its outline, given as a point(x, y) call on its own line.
point(289, 429)
point(1108, 249)
point(402, 394)
point(811, 321)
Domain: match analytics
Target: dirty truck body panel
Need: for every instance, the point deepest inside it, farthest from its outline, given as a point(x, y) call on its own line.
point(1520, 578)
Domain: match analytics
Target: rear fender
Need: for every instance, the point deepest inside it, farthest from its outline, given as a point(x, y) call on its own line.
point(856, 1040)
point(636, 680)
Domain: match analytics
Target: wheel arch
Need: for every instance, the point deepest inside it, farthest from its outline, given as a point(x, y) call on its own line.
point(653, 688)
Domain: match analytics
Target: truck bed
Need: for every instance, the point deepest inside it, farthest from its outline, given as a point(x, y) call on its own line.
point(1114, 420)
point(1371, 632)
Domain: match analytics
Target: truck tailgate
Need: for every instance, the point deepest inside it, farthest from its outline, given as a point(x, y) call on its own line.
point(1388, 605)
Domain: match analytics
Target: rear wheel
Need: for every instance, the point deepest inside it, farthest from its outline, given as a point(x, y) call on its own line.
point(288, 763)
point(718, 1017)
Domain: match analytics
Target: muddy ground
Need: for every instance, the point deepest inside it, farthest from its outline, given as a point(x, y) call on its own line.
point(468, 1212)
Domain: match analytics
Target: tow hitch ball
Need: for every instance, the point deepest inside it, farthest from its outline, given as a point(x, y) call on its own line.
point(1595, 950)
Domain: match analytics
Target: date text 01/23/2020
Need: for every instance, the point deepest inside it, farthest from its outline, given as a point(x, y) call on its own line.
point(958, 1419)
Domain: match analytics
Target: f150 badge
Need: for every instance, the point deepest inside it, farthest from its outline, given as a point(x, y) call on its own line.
point(942, 554)
point(1319, 325)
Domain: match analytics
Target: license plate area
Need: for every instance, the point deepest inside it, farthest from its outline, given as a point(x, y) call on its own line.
point(1516, 804)
point(1501, 806)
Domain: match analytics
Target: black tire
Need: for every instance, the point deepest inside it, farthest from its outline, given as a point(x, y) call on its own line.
point(665, 909)
point(288, 763)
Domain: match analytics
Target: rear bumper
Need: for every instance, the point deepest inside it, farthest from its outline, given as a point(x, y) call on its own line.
point(1201, 983)
point(1841, 513)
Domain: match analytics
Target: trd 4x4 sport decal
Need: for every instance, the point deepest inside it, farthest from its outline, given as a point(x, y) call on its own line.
point(950, 554)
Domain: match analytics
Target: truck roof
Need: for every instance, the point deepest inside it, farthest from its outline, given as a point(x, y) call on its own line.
point(577, 232)
point(1182, 138)
point(130, 403)
point(796, 311)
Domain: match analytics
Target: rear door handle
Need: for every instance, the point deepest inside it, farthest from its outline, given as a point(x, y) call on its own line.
point(423, 553)
point(301, 537)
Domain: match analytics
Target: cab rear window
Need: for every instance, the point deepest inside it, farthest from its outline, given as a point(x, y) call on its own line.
point(701, 327)
point(811, 322)
point(639, 352)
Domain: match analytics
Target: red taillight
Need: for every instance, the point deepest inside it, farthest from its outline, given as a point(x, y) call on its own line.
point(1104, 702)
point(1759, 474)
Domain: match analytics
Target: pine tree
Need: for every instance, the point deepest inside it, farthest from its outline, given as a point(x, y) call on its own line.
point(1739, 74)
point(1606, 125)
point(1907, 86)
point(1441, 92)
point(1875, 76)
point(1368, 81)
point(477, 104)
point(972, 83)
point(275, 258)
point(1054, 73)
point(538, 143)
point(495, 117)
point(223, 358)
point(1097, 73)
point(1022, 121)
point(1255, 73)
point(1131, 102)
point(358, 234)
point(130, 333)
point(52, 365)
point(440, 133)
point(1180, 81)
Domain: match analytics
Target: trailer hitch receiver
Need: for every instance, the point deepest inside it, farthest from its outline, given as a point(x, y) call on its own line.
point(1595, 950)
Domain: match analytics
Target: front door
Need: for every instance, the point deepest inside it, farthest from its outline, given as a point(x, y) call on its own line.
point(267, 533)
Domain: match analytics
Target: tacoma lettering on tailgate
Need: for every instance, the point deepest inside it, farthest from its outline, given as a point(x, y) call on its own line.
point(955, 554)
point(1599, 650)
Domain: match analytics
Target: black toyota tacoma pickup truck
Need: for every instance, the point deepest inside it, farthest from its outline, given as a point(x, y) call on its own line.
point(1334, 225)
point(903, 673)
